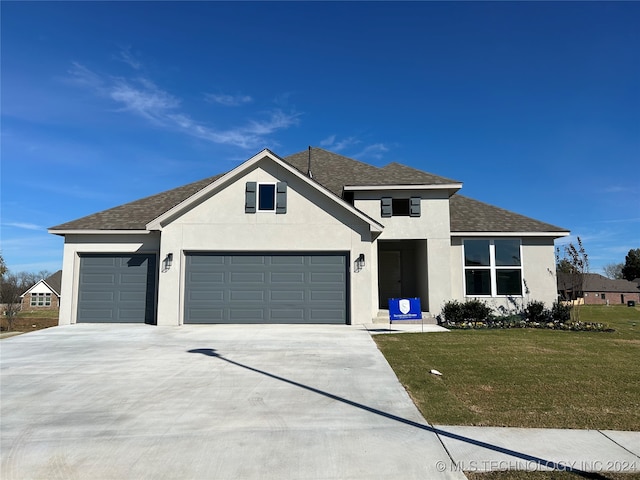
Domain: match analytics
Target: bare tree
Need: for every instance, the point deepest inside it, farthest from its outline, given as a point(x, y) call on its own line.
point(10, 290)
point(12, 285)
point(575, 263)
point(613, 271)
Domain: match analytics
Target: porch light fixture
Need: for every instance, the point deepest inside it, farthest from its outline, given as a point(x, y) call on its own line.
point(360, 261)
point(168, 261)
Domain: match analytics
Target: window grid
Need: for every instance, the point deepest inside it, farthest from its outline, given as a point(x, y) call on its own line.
point(40, 299)
point(489, 284)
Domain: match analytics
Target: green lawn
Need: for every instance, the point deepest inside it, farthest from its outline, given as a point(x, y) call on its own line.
point(526, 377)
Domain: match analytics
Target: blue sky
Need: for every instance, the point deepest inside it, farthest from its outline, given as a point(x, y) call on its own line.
point(535, 107)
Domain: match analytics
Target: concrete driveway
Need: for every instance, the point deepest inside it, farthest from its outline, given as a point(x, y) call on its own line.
point(223, 402)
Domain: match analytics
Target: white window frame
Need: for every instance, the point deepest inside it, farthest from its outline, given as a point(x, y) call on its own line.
point(275, 197)
point(493, 269)
point(40, 300)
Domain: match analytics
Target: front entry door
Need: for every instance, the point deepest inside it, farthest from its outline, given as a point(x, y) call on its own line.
point(389, 276)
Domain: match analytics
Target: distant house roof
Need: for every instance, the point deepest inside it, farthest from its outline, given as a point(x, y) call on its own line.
point(335, 173)
point(54, 282)
point(594, 282)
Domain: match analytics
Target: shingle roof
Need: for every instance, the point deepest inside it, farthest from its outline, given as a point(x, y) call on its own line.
point(333, 172)
point(594, 282)
point(55, 281)
point(135, 215)
point(469, 215)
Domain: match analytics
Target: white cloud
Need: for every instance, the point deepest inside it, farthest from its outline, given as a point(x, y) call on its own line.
point(228, 100)
point(373, 151)
point(142, 97)
point(26, 226)
point(330, 142)
point(127, 57)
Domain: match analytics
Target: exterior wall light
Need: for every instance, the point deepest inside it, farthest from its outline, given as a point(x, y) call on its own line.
point(360, 262)
point(168, 261)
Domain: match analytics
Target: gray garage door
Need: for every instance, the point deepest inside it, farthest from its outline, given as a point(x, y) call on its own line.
point(266, 288)
point(117, 288)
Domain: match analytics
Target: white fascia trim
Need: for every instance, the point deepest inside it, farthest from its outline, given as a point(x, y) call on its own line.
point(156, 224)
point(445, 186)
point(34, 286)
point(98, 232)
point(510, 234)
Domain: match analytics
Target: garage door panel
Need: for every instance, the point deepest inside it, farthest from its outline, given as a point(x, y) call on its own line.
point(116, 288)
point(247, 277)
point(287, 296)
point(98, 279)
point(323, 277)
point(287, 277)
point(101, 261)
point(245, 315)
point(288, 260)
point(247, 260)
point(247, 295)
point(284, 288)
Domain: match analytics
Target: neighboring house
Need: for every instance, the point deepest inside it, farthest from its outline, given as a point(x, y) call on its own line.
point(45, 294)
point(315, 237)
point(597, 289)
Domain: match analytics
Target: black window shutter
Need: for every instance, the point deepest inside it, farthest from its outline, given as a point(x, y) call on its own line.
point(414, 207)
point(250, 197)
point(386, 206)
point(281, 197)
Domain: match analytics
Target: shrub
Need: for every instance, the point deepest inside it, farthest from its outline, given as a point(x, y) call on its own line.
point(474, 311)
point(535, 312)
point(560, 312)
point(452, 312)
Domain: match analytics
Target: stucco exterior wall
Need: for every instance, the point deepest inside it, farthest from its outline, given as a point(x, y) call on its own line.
point(538, 271)
point(432, 223)
point(74, 245)
point(312, 222)
point(433, 226)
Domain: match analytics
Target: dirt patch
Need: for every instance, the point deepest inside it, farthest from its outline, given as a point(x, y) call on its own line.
point(28, 324)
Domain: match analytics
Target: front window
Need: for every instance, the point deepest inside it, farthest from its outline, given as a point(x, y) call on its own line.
point(40, 299)
point(492, 267)
point(267, 197)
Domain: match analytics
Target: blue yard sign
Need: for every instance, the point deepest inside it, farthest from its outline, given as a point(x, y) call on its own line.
point(405, 309)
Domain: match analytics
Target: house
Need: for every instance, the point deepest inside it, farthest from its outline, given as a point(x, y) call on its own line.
point(44, 294)
point(315, 237)
point(597, 289)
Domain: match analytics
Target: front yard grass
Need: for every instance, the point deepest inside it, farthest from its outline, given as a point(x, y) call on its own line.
point(526, 377)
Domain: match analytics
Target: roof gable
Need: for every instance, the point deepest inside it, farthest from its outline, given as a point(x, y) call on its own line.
point(52, 283)
point(229, 177)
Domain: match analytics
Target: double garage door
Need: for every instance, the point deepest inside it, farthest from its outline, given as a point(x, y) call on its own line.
point(219, 288)
point(266, 288)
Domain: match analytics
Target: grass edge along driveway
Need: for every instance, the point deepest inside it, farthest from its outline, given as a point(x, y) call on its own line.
point(526, 377)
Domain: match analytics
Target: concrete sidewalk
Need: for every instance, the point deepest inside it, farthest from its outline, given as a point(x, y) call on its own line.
point(482, 449)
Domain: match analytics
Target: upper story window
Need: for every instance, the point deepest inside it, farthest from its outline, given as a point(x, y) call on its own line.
point(492, 267)
point(400, 207)
point(265, 197)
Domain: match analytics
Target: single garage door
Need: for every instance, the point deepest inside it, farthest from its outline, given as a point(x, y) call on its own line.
point(266, 288)
point(117, 289)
